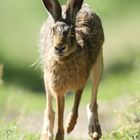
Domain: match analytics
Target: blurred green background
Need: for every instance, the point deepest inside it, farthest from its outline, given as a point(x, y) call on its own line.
point(22, 91)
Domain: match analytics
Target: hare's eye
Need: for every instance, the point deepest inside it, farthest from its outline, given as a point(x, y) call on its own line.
point(53, 29)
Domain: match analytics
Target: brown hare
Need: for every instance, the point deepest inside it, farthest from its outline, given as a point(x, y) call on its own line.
point(71, 47)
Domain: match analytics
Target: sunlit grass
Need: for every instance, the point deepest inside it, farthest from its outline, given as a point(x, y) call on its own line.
point(13, 97)
point(129, 121)
point(12, 132)
point(128, 129)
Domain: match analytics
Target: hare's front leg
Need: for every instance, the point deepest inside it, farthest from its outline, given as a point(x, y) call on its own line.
point(48, 124)
point(60, 111)
point(73, 115)
point(94, 126)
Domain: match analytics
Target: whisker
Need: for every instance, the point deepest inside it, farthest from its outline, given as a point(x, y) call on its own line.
point(36, 64)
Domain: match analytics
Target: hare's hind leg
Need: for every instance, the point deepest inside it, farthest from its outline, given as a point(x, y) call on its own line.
point(48, 124)
point(92, 112)
point(73, 115)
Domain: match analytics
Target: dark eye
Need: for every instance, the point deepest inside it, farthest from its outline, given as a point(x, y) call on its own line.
point(53, 28)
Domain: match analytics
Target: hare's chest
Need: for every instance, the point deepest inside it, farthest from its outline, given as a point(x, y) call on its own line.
point(69, 76)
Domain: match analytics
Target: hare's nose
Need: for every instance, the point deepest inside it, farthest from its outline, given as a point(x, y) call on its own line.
point(60, 49)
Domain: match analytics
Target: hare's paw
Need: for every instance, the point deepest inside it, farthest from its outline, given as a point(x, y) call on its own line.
point(71, 121)
point(94, 129)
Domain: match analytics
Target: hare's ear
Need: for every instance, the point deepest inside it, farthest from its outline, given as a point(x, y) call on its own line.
point(73, 6)
point(53, 8)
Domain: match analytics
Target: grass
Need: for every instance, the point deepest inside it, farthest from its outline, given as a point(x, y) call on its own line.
point(12, 132)
point(12, 97)
point(129, 121)
point(128, 129)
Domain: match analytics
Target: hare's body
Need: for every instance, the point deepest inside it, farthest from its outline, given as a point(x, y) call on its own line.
point(69, 75)
point(73, 72)
point(71, 48)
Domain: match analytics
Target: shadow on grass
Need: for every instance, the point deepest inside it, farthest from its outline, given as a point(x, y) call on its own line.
point(25, 77)
point(122, 66)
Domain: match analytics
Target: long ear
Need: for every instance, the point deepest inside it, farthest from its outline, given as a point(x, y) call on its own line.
point(73, 7)
point(53, 8)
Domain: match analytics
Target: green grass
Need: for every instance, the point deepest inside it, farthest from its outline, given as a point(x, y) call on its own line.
point(128, 129)
point(12, 132)
point(12, 97)
point(129, 121)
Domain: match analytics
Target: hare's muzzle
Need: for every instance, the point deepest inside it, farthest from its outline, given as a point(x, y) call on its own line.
point(60, 50)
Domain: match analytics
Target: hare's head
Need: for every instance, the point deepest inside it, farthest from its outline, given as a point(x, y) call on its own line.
point(63, 40)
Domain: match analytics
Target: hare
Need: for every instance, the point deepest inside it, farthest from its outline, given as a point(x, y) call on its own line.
point(71, 49)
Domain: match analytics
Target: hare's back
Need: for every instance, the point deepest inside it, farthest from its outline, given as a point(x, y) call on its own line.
point(89, 27)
